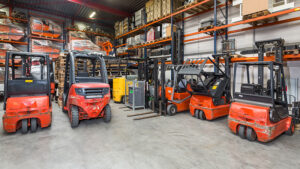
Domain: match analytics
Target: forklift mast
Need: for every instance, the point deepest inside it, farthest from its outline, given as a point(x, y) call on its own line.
point(278, 45)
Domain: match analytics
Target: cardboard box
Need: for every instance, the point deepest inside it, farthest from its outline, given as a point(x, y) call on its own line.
point(157, 9)
point(166, 30)
point(166, 6)
point(150, 10)
point(253, 6)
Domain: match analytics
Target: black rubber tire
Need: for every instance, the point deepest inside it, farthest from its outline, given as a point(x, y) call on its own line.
point(107, 114)
point(63, 110)
point(150, 104)
point(196, 115)
point(75, 116)
point(291, 129)
point(123, 99)
point(24, 126)
point(202, 115)
point(250, 134)
point(171, 109)
point(242, 131)
point(33, 125)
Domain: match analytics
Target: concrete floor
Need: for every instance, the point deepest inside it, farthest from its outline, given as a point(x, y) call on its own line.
point(181, 142)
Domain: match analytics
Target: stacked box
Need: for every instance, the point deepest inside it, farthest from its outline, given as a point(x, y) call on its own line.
point(157, 9)
point(150, 35)
point(117, 32)
point(121, 28)
point(166, 30)
point(130, 41)
point(125, 25)
point(139, 17)
point(157, 33)
point(139, 38)
point(253, 6)
point(150, 10)
point(166, 6)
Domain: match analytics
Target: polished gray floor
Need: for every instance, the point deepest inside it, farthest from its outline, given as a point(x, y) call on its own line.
point(178, 142)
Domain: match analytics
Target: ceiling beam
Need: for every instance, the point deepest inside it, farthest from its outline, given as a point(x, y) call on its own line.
point(100, 7)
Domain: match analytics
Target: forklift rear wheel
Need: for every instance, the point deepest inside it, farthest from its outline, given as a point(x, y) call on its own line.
point(196, 115)
point(202, 115)
point(24, 126)
point(75, 117)
point(107, 114)
point(241, 131)
point(33, 125)
point(250, 133)
point(150, 104)
point(291, 130)
point(171, 109)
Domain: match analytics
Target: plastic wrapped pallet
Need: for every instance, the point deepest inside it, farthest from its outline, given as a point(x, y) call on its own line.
point(44, 27)
point(11, 31)
point(4, 47)
point(139, 17)
point(151, 35)
point(77, 35)
point(83, 45)
point(125, 25)
point(45, 46)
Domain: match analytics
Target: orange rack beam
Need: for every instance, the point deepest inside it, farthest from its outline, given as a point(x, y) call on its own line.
point(249, 28)
point(291, 57)
point(15, 42)
point(150, 44)
point(163, 18)
point(245, 21)
point(47, 38)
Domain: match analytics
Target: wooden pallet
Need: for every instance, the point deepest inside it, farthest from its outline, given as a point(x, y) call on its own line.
point(259, 14)
point(211, 33)
point(297, 127)
point(286, 52)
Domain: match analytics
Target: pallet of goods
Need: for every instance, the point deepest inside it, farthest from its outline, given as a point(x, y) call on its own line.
point(45, 28)
point(256, 8)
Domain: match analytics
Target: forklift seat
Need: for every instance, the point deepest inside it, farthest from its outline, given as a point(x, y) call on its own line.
point(83, 74)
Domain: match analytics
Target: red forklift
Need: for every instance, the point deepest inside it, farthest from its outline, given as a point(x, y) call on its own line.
point(27, 97)
point(259, 110)
point(86, 89)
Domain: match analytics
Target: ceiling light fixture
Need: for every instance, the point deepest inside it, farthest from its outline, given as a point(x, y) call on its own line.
point(92, 14)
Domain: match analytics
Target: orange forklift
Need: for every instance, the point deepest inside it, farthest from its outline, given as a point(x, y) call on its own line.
point(211, 92)
point(86, 89)
point(259, 110)
point(27, 97)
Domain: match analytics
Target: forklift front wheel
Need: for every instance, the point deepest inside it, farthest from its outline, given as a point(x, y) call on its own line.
point(202, 115)
point(75, 116)
point(123, 99)
point(196, 115)
point(33, 125)
point(171, 109)
point(291, 130)
point(24, 126)
point(250, 133)
point(242, 131)
point(107, 114)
